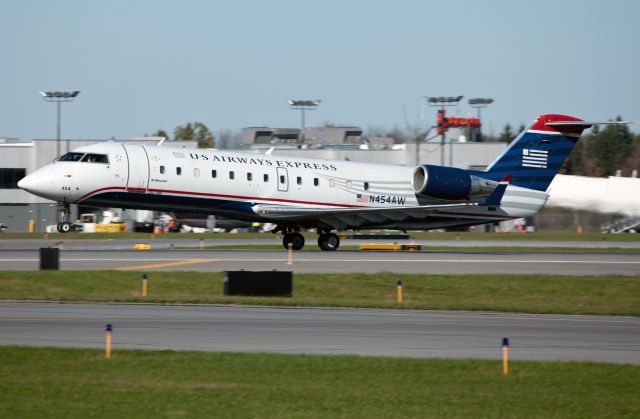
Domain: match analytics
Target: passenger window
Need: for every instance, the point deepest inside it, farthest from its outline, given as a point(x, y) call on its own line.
point(282, 180)
point(214, 173)
point(299, 180)
point(95, 158)
point(332, 183)
point(249, 176)
point(178, 171)
point(316, 181)
point(349, 184)
point(196, 172)
point(366, 186)
point(162, 170)
point(266, 177)
point(232, 175)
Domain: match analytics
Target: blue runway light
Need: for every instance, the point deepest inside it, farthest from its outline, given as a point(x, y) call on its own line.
point(505, 341)
point(399, 283)
point(109, 328)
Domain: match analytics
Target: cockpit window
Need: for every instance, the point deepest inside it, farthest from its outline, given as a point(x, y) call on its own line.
point(71, 157)
point(95, 158)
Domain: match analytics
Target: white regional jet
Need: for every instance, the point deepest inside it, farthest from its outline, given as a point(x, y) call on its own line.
point(297, 193)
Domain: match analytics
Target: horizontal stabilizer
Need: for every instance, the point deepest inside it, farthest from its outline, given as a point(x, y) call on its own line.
point(495, 199)
point(585, 124)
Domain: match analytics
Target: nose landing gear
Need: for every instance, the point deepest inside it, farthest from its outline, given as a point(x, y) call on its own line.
point(292, 237)
point(64, 212)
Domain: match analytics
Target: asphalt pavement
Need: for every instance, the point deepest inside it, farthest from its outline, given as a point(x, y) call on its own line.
point(451, 262)
point(402, 333)
point(168, 242)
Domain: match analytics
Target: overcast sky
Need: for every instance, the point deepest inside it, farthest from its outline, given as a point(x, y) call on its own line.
point(144, 65)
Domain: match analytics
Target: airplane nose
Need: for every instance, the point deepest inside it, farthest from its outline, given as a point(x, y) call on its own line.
point(37, 184)
point(26, 182)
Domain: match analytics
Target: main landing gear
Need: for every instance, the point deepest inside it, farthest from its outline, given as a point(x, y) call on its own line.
point(64, 212)
point(326, 241)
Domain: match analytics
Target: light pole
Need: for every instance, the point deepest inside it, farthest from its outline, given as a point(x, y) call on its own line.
point(58, 98)
point(479, 103)
point(303, 105)
point(441, 102)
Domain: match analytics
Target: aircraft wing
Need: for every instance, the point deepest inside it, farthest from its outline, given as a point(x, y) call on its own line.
point(286, 211)
point(342, 217)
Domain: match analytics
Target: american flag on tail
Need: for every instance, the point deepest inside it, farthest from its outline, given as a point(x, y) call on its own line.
point(535, 158)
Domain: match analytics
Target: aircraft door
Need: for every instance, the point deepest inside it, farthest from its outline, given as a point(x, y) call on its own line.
point(138, 178)
point(283, 179)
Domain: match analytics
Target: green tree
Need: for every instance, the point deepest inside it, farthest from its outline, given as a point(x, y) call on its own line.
point(195, 131)
point(161, 133)
point(609, 149)
point(507, 134)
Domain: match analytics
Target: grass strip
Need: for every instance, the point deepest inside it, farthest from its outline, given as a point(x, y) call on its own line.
point(606, 295)
point(78, 383)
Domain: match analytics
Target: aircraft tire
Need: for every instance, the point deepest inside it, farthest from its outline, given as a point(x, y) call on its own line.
point(328, 242)
point(59, 227)
point(296, 240)
point(64, 227)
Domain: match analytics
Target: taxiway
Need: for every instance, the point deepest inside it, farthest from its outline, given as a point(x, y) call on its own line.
point(403, 333)
point(450, 262)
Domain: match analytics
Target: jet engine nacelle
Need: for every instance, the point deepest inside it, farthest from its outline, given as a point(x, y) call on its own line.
point(449, 183)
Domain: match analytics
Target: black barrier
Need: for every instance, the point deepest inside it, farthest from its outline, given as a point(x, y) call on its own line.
point(259, 283)
point(49, 258)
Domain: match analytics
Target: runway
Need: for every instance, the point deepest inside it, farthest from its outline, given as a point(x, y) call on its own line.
point(450, 262)
point(401, 333)
point(168, 242)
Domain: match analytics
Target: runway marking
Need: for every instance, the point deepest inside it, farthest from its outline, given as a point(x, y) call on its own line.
point(162, 265)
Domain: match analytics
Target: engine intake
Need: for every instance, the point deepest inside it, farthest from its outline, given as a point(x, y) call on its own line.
point(449, 183)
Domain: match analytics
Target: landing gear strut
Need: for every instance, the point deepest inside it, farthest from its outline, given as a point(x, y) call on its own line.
point(64, 210)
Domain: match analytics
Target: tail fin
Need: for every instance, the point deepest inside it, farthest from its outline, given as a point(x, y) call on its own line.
point(535, 156)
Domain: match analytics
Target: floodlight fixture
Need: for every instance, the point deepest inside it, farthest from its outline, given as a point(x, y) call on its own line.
point(480, 102)
point(303, 105)
point(443, 100)
point(58, 97)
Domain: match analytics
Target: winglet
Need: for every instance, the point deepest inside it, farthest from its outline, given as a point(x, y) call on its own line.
point(495, 198)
